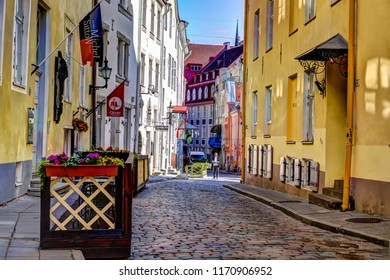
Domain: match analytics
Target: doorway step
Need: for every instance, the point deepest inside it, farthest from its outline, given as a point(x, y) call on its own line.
point(331, 198)
point(35, 187)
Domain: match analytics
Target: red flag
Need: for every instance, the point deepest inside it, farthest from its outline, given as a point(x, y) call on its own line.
point(115, 101)
point(91, 37)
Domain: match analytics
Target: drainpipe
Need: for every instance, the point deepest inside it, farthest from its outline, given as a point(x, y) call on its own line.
point(350, 108)
point(243, 105)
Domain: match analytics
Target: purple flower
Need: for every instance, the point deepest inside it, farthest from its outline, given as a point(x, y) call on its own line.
point(56, 161)
point(93, 155)
point(82, 160)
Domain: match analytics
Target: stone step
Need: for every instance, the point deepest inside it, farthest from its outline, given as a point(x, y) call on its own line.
point(338, 184)
point(333, 193)
point(325, 201)
point(35, 188)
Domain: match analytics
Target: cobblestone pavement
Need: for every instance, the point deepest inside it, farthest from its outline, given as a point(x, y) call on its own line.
point(199, 219)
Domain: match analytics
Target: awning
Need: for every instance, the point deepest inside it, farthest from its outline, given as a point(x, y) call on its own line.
point(216, 129)
point(180, 109)
point(331, 48)
point(190, 126)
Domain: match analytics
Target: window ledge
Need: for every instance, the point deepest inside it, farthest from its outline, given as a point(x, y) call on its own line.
point(293, 32)
point(120, 79)
point(310, 20)
point(307, 142)
point(267, 135)
point(125, 12)
point(253, 136)
point(289, 142)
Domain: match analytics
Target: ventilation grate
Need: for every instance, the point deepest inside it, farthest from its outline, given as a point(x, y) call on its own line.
point(364, 220)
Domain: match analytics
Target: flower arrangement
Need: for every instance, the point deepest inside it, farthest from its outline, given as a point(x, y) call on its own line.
point(90, 158)
point(80, 124)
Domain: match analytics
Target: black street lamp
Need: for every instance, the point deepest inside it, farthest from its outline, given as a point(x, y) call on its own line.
point(105, 73)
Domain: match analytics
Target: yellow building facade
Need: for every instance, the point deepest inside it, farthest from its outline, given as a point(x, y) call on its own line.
point(32, 31)
point(299, 99)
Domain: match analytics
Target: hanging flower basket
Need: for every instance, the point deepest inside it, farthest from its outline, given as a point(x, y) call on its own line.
point(80, 124)
point(82, 170)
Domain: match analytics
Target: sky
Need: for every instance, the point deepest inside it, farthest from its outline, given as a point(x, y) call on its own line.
point(212, 21)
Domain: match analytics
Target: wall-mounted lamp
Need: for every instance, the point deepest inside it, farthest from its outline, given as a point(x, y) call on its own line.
point(151, 90)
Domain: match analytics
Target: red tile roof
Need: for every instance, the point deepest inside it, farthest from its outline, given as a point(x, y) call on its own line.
point(201, 54)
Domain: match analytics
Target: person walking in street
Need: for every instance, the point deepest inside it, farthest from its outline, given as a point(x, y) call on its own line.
point(215, 163)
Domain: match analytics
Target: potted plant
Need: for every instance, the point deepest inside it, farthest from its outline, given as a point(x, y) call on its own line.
point(92, 164)
point(80, 124)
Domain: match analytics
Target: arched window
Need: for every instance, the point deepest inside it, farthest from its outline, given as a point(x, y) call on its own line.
point(200, 93)
point(194, 94)
point(188, 95)
point(206, 92)
point(212, 89)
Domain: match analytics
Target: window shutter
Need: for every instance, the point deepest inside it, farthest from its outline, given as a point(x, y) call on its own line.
point(314, 175)
point(249, 161)
point(297, 172)
point(260, 156)
point(255, 159)
point(282, 171)
point(269, 162)
point(304, 173)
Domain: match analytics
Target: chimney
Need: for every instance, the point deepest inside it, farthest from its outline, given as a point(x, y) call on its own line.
point(227, 45)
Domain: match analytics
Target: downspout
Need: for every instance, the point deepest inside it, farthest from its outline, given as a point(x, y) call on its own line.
point(350, 108)
point(243, 110)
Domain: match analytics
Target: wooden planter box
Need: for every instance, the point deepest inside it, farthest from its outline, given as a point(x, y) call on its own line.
point(93, 216)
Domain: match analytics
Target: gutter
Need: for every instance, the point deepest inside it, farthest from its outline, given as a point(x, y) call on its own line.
point(350, 107)
point(243, 94)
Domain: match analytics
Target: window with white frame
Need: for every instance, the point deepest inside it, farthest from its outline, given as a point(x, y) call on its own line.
point(152, 15)
point(164, 62)
point(254, 113)
point(256, 34)
point(170, 23)
point(69, 63)
point(310, 10)
point(150, 71)
point(173, 74)
point(204, 111)
point(144, 12)
point(308, 108)
point(188, 95)
point(207, 76)
point(169, 70)
point(267, 109)
point(126, 128)
point(270, 24)
point(198, 112)
point(200, 93)
point(206, 92)
point(157, 78)
point(211, 111)
point(123, 56)
point(82, 86)
point(20, 47)
point(2, 8)
point(142, 78)
point(158, 19)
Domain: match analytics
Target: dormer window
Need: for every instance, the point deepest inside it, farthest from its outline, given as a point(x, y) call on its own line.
point(207, 76)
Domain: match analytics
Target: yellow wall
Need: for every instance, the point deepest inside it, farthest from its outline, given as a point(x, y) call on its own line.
point(15, 101)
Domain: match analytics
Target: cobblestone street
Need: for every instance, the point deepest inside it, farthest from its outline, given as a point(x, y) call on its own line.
point(200, 219)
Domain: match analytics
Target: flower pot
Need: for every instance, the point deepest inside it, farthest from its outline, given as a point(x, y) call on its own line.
point(82, 170)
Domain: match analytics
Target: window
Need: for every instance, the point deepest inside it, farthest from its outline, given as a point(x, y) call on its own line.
point(99, 126)
point(200, 93)
point(308, 108)
point(69, 62)
point(173, 74)
point(206, 92)
point(310, 10)
point(267, 110)
point(169, 70)
point(200, 77)
point(124, 8)
point(292, 112)
point(293, 20)
point(188, 95)
point(152, 15)
point(2, 8)
point(193, 94)
point(150, 71)
point(144, 13)
point(270, 24)
point(256, 36)
point(126, 127)
point(204, 111)
point(170, 23)
point(142, 79)
point(157, 78)
point(20, 42)
point(164, 61)
point(254, 113)
point(158, 19)
point(207, 76)
point(195, 67)
point(82, 86)
point(211, 112)
point(123, 56)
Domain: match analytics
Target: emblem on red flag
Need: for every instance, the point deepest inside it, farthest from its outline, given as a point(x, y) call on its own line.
point(115, 101)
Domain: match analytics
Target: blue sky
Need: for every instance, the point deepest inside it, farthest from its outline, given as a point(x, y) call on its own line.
point(212, 21)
